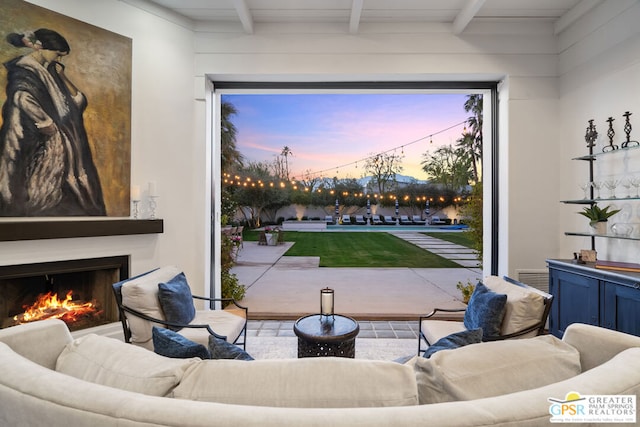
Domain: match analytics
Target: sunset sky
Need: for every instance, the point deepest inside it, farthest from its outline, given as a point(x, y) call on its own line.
point(325, 132)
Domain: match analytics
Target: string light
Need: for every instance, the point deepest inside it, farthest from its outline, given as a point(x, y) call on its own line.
point(376, 156)
point(239, 181)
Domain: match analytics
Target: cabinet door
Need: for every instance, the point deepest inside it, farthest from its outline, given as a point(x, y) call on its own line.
point(622, 308)
point(575, 300)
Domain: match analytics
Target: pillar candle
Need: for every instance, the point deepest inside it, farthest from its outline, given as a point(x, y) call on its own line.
point(135, 192)
point(326, 302)
point(152, 189)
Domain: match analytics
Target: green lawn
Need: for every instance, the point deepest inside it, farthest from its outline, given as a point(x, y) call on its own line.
point(459, 238)
point(346, 249)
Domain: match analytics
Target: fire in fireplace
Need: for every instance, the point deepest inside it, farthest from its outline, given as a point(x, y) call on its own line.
point(75, 291)
point(49, 306)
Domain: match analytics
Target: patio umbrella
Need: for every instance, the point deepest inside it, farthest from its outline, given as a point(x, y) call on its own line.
point(426, 208)
point(397, 210)
point(337, 207)
point(368, 208)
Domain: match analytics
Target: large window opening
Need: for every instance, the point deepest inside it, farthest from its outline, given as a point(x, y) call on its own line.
point(289, 167)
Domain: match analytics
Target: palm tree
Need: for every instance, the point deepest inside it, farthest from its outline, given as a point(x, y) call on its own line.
point(286, 152)
point(230, 157)
point(471, 139)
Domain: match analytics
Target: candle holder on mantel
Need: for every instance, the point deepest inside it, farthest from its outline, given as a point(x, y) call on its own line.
point(326, 304)
point(135, 208)
point(152, 207)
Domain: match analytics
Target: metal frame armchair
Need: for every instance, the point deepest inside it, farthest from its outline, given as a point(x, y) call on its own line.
point(229, 324)
point(522, 298)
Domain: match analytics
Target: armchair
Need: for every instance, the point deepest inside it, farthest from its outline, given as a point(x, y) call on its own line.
point(524, 314)
point(163, 298)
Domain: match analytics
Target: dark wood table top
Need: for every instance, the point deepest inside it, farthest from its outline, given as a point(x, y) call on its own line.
point(318, 328)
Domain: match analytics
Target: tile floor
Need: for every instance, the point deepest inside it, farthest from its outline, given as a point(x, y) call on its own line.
point(368, 329)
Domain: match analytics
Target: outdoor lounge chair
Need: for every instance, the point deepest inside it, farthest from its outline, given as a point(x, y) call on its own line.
point(404, 220)
point(375, 220)
point(436, 220)
point(329, 220)
point(388, 220)
point(346, 219)
point(524, 316)
point(417, 220)
point(162, 298)
point(360, 220)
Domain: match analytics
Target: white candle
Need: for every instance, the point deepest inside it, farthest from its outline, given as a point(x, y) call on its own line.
point(326, 302)
point(135, 193)
point(152, 189)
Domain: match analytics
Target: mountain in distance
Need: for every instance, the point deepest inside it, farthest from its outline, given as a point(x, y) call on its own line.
point(402, 179)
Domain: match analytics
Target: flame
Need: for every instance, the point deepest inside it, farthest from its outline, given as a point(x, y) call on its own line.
point(49, 306)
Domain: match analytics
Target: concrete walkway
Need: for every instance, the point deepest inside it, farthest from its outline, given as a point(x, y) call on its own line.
point(459, 254)
point(280, 287)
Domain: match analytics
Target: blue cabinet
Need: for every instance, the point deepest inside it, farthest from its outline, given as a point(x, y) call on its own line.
point(584, 294)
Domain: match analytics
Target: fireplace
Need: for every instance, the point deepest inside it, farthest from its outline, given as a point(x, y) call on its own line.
point(76, 291)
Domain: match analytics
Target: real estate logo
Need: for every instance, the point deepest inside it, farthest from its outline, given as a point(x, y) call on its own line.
point(576, 408)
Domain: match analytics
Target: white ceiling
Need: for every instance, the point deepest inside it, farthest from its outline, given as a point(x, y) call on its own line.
point(352, 13)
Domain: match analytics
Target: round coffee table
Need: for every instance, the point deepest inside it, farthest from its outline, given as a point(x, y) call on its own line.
point(326, 336)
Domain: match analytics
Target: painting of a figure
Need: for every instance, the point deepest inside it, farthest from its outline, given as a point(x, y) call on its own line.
point(64, 137)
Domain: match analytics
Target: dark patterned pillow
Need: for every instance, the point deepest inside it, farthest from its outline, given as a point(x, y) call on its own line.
point(485, 310)
point(176, 301)
point(172, 344)
point(459, 339)
point(221, 349)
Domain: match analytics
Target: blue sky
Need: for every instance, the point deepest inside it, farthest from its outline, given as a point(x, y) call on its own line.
point(326, 131)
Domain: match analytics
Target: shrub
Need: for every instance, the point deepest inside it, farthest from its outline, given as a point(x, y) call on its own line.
point(466, 290)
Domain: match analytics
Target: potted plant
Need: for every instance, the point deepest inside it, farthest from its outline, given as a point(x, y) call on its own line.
point(598, 217)
point(271, 233)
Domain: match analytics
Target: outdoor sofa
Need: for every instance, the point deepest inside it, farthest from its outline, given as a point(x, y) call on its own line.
point(48, 378)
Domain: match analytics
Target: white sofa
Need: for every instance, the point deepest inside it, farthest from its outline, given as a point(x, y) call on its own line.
point(34, 393)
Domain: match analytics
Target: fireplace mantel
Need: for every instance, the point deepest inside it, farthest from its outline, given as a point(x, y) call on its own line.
point(36, 230)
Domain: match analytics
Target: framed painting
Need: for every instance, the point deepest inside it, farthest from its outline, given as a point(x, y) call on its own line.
point(65, 129)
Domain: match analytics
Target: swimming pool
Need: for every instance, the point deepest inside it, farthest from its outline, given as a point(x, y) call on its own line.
point(391, 228)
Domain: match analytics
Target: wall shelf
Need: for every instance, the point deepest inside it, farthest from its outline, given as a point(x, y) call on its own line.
point(607, 236)
point(56, 229)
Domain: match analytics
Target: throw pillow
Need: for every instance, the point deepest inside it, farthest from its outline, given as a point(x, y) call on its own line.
point(221, 349)
point(495, 368)
point(485, 310)
point(450, 342)
point(176, 301)
point(110, 362)
point(171, 344)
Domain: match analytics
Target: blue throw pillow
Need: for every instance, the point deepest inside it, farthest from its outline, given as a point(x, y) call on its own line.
point(172, 344)
point(221, 349)
point(485, 310)
point(459, 339)
point(176, 301)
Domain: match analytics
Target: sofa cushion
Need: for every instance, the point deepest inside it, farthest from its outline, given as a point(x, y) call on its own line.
point(171, 344)
point(110, 362)
point(322, 382)
point(495, 368)
point(221, 349)
point(228, 323)
point(141, 294)
point(453, 341)
point(485, 310)
point(524, 306)
point(176, 301)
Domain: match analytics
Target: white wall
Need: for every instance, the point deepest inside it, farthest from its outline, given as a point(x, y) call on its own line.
point(599, 78)
point(166, 144)
point(525, 53)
